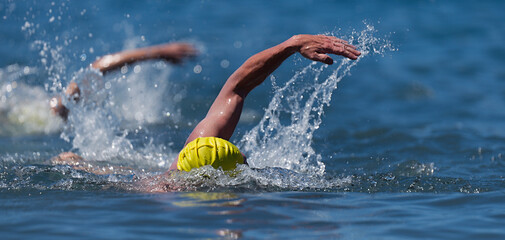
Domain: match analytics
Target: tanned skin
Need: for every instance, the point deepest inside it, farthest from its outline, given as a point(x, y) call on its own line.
point(224, 114)
point(171, 52)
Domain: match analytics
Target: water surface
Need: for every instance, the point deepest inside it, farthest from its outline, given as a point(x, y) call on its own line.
point(407, 142)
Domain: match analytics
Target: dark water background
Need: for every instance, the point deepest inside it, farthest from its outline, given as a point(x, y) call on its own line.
point(412, 141)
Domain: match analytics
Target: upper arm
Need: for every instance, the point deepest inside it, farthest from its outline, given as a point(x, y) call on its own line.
point(222, 117)
point(224, 114)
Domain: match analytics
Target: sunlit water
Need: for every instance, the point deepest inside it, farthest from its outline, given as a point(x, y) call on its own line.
point(410, 144)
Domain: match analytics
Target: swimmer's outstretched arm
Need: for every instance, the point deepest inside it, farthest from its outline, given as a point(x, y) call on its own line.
point(225, 112)
point(172, 52)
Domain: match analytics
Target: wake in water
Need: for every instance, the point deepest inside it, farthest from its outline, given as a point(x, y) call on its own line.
point(281, 144)
point(279, 148)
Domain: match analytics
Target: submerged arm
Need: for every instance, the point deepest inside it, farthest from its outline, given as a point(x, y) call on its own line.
point(172, 52)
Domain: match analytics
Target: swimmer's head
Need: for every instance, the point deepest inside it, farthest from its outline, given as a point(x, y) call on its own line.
point(213, 151)
point(73, 92)
point(57, 108)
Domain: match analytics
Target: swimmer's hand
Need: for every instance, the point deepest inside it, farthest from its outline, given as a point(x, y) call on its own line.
point(176, 52)
point(79, 163)
point(317, 47)
point(57, 108)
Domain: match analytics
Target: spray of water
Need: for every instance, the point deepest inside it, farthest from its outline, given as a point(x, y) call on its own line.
point(279, 148)
point(281, 143)
point(283, 137)
point(110, 107)
point(24, 109)
point(54, 62)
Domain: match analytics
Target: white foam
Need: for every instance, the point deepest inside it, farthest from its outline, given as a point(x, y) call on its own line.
point(111, 106)
point(24, 109)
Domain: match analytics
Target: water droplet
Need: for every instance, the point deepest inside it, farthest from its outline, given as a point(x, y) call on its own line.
point(124, 69)
point(197, 69)
point(225, 63)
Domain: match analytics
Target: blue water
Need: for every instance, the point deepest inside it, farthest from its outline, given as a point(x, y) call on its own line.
point(408, 143)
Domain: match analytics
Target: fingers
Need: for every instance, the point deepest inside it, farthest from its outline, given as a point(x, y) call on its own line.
point(350, 52)
point(317, 47)
point(343, 48)
point(324, 58)
point(352, 49)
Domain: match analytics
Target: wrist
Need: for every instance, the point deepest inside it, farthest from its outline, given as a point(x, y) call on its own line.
point(293, 44)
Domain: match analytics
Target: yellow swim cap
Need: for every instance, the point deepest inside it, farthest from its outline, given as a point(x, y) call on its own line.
point(209, 151)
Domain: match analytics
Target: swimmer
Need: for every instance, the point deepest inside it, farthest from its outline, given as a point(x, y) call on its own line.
point(171, 52)
point(208, 143)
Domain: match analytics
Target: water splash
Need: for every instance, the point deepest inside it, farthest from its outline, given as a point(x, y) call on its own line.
point(54, 62)
point(111, 107)
point(141, 94)
point(281, 144)
point(245, 179)
point(283, 137)
point(24, 109)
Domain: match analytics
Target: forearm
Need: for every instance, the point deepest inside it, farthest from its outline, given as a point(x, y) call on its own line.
point(116, 60)
point(314, 47)
point(173, 52)
point(225, 112)
point(258, 67)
